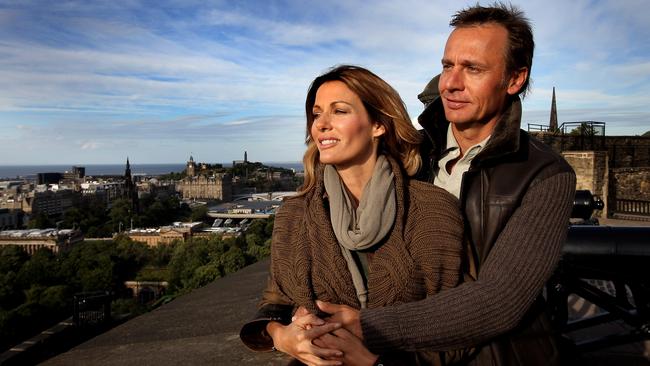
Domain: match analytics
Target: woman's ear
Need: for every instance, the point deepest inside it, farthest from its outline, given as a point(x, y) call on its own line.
point(378, 129)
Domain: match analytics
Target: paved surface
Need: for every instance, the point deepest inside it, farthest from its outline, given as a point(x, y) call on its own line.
point(202, 328)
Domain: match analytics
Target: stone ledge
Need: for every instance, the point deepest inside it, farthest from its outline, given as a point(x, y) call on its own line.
point(200, 328)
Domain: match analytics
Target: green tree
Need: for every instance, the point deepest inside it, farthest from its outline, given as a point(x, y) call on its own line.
point(40, 221)
point(40, 269)
point(122, 215)
point(199, 213)
point(205, 274)
point(12, 258)
point(584, 129)
point(11, 294)
point(56, 299)
point(233, 260)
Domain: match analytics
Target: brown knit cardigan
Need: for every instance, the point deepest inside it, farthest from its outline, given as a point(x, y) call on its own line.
point(421, 255)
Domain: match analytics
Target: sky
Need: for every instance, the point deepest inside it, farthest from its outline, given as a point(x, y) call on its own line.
point(92, 82)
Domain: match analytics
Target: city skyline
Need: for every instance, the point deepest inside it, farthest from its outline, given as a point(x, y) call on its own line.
point(93, 82)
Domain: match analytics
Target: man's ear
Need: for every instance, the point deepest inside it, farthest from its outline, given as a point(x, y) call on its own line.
point(517, 79)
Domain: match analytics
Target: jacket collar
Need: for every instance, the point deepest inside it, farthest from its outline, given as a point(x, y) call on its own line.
point(505, 137)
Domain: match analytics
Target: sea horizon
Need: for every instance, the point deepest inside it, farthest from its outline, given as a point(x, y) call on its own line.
point(31, 171)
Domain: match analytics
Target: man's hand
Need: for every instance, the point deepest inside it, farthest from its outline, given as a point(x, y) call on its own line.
point(343, 314)
point(296, 339)
point(354, 352)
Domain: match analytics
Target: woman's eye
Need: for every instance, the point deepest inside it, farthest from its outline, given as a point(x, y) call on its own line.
point(315, 115)
point(339, 111)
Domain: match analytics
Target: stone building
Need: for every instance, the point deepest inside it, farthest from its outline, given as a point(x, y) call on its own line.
point(33, 239)
point(164, 234)
point(204, 185)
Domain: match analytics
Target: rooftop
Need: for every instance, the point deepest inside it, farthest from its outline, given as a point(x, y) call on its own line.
point(200, 328)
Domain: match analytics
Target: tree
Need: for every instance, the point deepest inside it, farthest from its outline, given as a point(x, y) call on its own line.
point(584, 129)
point(646, 134)
point(12, 258)
point(233, 260)
point(199, 213)
point(205, 274)
point(122, 215)
point(40, 221)
point(10, 293)
point(40, 269)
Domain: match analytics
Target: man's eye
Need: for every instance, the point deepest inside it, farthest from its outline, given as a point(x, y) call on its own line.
point(473, 69)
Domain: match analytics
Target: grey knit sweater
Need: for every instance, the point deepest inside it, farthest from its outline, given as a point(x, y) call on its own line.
point(522, 259)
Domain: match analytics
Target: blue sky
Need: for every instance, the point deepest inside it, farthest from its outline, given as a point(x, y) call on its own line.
point(87, 82)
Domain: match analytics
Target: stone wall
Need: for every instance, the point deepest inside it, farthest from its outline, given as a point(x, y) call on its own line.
point(632, 183)
point(623, 151)
point(592, 173)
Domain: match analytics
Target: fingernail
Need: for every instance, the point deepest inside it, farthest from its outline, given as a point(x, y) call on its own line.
point(293, 318)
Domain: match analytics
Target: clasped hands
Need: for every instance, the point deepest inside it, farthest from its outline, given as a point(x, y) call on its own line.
point(335, 340)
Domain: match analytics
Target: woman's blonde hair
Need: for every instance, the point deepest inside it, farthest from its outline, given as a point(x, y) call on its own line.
point(384, 106)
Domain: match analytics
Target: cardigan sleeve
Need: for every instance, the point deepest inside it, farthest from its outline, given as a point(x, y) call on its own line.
point(274, 305)
point(522, 259)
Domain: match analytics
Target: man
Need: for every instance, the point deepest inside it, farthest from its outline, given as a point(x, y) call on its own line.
point(515, 194)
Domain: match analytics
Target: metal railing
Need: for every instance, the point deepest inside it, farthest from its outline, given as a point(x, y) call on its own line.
point(91, 308)
point(633, 207)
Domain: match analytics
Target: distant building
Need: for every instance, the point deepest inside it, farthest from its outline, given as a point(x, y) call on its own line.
point(164, 234)
point(9, 219)
point(49, 178)
point(211, 186)
point(50, 203)
point(240, 162)
point(215, 187)
point(130, 189)
point(34, 239)
point(191, 167)
point(105, 192)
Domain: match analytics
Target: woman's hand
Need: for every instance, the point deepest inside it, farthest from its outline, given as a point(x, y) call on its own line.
point(354, 352)
point(296, 339)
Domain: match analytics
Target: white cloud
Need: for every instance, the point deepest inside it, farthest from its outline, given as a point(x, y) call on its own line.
point(121, 77)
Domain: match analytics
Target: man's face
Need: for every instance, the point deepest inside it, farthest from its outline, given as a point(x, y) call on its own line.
point(474, 84)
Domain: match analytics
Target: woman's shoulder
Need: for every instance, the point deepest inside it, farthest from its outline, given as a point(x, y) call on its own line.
point(291, 206)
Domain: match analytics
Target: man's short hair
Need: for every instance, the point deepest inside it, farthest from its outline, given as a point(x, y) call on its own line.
point(520, 34)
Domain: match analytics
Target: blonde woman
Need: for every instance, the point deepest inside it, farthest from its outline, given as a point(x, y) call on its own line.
point(360, 232)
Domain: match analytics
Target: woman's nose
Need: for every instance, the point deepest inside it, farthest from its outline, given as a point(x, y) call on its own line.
point(323, 122)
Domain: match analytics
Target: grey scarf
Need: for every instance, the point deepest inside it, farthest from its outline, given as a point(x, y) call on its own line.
point(367, 225)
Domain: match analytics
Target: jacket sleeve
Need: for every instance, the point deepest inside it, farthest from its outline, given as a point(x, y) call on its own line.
point(513, 275)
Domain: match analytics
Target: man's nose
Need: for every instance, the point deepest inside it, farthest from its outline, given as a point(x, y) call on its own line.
point(452, 79)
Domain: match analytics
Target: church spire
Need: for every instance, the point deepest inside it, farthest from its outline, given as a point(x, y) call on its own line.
point(552, 124)
point(127, 171)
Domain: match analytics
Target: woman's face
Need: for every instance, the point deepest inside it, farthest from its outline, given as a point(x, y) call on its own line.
point(342, 129)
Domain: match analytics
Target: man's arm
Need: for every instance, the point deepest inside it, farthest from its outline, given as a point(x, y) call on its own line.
point(521, 261)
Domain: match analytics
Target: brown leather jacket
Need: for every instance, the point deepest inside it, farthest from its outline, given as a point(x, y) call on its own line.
point(492, 189)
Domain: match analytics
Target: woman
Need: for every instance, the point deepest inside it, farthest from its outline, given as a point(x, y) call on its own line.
point(359, 232)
